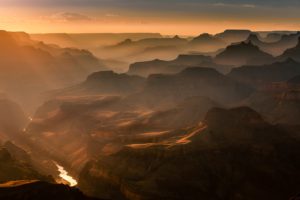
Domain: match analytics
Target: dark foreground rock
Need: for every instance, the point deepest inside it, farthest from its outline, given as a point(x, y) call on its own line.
point(37, 190)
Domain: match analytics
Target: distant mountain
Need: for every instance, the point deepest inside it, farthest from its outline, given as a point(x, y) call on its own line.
point(197, 81)
point(39, 67)
point(174, 66)
point(273, 37)
point(60, 39)
point(293, 53)
point(233, 36)
point(242, 54)
point(151, 42)
point(257, 76)
point(104, 83)
point(143, 49)
point(37, 190)
point(206, 42)
point(185, 114)
point(227, 145)
point(90, 40)
point(274, 48)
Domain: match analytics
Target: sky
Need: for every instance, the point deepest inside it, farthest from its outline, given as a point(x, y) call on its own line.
point(170, 17)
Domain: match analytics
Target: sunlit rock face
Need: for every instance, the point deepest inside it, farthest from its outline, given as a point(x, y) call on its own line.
point(14, 167)
point(40, 67)
point(76, 130)
point(224, 153)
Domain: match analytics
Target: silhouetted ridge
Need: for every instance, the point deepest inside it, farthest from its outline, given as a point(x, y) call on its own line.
point(125, 42)
point(253, 38)
point(290, 61)
point(240, 115)
point(38, 190)
point(5, 155)
point(205, 37)
point(260, 75)
point(200, 71)
point(169, 67)
point(237, 31)
point(243, 45)
point(295, 80)
point(292, 52)
point(192, 58)
point(104, 83)
point(241, 124)
point(102, 75)
point(112, 76)
point(243, 53)
point(231, 36)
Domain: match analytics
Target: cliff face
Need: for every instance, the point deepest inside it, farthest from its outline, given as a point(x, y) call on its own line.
point(233, 154)
point(40, 67)
point(12, 168)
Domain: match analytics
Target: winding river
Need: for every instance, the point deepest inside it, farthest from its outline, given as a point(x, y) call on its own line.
point(65, 175)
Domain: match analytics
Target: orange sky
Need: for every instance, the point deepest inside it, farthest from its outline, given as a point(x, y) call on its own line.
point(211, 18)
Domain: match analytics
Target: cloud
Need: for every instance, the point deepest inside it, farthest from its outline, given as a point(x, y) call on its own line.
point(248, 5)
point(235, 5)
point(111, 15)
point(219, 4)
point(69, 17)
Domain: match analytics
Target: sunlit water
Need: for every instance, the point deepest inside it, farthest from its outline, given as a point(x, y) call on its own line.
point(65, 176)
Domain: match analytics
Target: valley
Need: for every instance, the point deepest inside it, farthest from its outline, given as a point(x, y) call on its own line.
point(213, 117)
